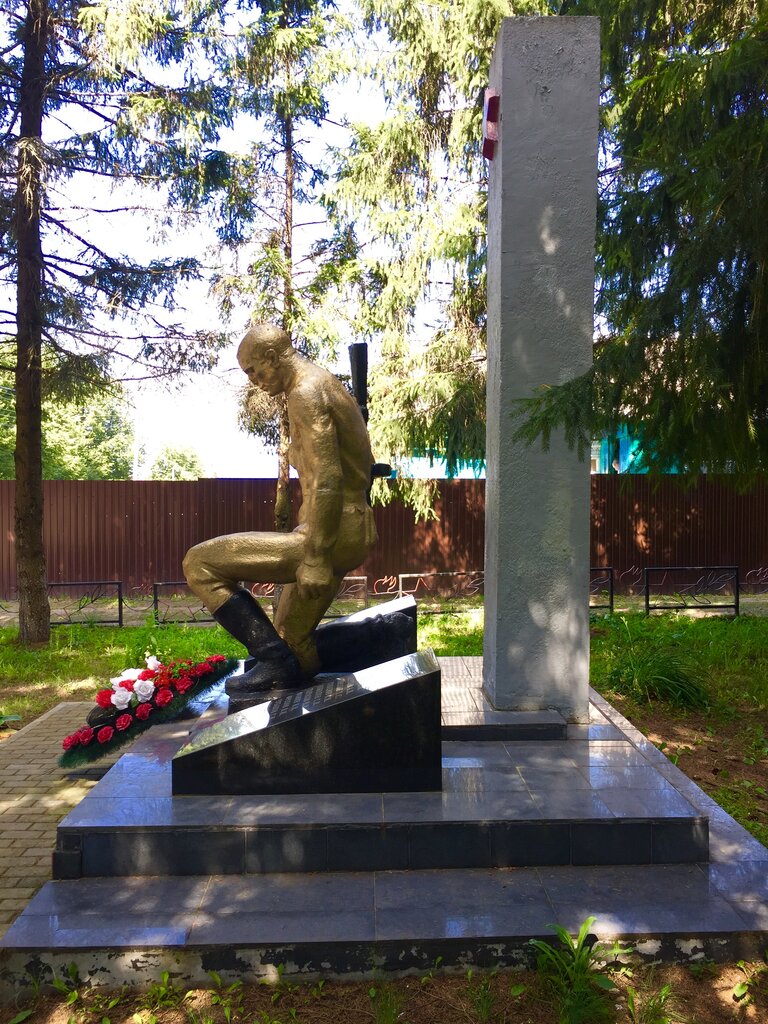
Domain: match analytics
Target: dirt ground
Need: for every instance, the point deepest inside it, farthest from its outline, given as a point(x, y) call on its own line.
point(706, 997)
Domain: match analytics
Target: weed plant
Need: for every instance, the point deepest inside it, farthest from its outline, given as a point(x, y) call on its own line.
point(570, 970)
point(653, 1006)
point(481, 997)
point(726, 656)
point(387, 1004)
point(649, 668)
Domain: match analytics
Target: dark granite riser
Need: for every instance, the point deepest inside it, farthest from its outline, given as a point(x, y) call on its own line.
point(394, 846)
point(519, 726)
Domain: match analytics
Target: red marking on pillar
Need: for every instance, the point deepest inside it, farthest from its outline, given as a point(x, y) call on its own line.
point(491, 113)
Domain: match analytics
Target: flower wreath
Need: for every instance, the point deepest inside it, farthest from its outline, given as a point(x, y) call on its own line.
point(137, 699)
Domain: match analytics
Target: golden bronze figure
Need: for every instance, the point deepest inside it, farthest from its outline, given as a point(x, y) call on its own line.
point(331, 452)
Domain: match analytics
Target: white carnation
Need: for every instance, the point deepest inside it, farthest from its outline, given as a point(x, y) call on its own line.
point(153, 662)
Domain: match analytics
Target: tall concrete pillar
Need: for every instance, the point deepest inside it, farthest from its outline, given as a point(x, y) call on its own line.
point(541, 235)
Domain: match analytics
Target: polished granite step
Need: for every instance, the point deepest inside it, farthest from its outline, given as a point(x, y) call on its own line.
point(593, 799)
point(316, 924)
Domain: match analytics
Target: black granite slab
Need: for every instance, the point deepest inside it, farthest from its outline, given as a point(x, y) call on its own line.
point(371, 731)
point(502, 804)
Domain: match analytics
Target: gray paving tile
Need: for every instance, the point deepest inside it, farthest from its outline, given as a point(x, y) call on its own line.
point(138, 775)
point(729, 842)
point(624, 777)
point(706, 917)
point(640, 803)
point(626, 884)
point(463, 889)
point(550, 755)
point(85, 932)
point(318, 808)
point(754, 913)
point(601, 731)
point(747, 880)
point(491, 753)
point(726, 896)
point(594, 753)
point(459, 806)
point(338, 925)
point(458, 699)
point(560, 780)
point(289, 893)
point(133, 812)
point(448, 922)
point(129, 896)
point(559, 803)
point(458, 778)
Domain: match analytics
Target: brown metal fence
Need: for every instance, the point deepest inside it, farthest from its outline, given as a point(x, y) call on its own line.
point(138, 531)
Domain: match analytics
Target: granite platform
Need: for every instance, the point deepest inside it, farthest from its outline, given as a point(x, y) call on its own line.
point(309, 885)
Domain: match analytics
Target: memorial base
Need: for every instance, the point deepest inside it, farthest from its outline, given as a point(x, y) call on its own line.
point(372, 731)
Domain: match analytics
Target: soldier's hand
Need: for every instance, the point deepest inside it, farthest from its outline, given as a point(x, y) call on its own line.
point(312, 578)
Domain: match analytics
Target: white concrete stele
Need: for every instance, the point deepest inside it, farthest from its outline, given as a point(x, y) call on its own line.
point(541, 236)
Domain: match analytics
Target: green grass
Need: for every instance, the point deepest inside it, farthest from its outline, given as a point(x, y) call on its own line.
point(453, 635)
point(727, 656)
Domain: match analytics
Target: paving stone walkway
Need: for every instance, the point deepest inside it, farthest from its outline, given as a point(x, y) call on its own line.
point(35, 794)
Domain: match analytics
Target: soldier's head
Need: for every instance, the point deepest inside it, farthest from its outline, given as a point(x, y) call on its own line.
point(265, 357)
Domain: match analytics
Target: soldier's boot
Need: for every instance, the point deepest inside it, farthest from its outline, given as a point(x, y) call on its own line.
point(277, 667)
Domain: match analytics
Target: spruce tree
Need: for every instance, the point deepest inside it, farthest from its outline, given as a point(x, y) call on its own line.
point(289, 267)
point(682, 247)
point(89, 90)
point(415, 185)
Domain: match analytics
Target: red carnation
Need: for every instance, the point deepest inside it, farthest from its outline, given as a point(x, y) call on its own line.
point(163, 697)
point(216, 658)
point(143, 711)
point(86, 735)
point(148, 673)
point(104, 698)
point(123, 722)
point(105, 734)
point(183, 684)
point(71, 741)
point(127, 684)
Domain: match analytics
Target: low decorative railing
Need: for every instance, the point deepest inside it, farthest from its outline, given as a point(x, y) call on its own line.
point(692, 586)
point(93, 596)
point(706, 588)
point(601, 586)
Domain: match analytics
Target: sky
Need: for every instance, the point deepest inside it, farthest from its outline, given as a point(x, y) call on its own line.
point(201, 415)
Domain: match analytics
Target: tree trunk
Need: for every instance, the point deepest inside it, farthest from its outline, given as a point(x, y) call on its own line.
point(34, 610)
point(282, 492)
